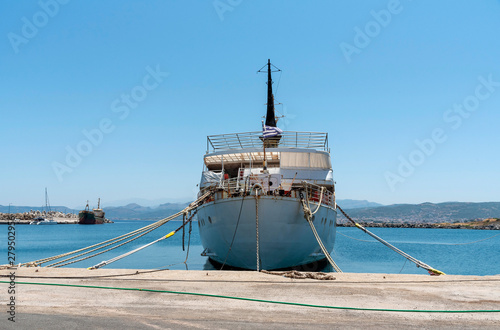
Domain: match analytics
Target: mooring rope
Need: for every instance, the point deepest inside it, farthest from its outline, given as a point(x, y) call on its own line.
point(257, 228)
point(466, 243)
point(56, 265)
point(138, 232)
point(172, 233)
point(419, 263)
point(308, 215)
point(237, 224)
point(117, 239)
point(189, 242)
point(480, 240)
point(234, 234)
point(104, 263)
point(302, 275)
point(356, 239)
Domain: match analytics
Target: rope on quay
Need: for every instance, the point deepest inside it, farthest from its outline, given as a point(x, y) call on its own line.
point(99, 246)
point(261, 300)
point(432, 271)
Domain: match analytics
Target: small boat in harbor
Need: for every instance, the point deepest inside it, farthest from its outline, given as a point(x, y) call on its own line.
point(47, 222)
point(94, 217)
point(47, 212)
point(263, 184)
point(43, 221)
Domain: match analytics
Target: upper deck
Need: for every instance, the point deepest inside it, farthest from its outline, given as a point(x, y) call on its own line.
point(238, 141)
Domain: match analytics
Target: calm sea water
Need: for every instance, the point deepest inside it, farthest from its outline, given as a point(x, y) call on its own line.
point(453, 251)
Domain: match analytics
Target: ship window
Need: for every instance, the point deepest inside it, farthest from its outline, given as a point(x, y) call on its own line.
point(209, 219)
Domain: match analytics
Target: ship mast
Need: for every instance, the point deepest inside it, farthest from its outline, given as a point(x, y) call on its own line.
point(273, 140)
point(270, 115)
point(270, 141)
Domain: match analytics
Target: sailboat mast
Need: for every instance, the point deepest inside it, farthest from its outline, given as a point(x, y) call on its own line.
point(47, 204)
point(270, 117)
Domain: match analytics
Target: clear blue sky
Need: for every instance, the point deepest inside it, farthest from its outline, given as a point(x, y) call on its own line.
point(375, 75)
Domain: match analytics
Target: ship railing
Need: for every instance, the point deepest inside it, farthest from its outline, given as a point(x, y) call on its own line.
point(315, 193)
point(234, 187)
point(288, 139)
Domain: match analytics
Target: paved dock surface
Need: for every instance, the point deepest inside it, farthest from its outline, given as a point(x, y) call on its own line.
point(63, 307)
point(60, 221)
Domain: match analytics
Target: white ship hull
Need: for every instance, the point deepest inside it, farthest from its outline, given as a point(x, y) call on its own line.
point(285, 237)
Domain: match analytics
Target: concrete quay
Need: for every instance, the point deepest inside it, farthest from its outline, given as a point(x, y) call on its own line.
point(61, 221)
point(66, 307)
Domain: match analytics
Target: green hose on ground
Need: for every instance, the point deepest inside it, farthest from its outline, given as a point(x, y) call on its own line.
point(261, 300)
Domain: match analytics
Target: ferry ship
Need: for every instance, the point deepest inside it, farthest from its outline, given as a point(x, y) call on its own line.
point(260, 184)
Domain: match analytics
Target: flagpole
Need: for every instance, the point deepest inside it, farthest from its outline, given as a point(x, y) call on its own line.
point(264, 144)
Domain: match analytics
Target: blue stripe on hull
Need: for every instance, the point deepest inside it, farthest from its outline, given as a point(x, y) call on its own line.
point(285, 237)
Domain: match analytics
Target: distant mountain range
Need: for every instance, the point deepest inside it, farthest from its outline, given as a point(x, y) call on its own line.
point(147, 202)
point(22, 209)
point(360, 210)
point(356, 204)
point(135, 211)
point(426, 212)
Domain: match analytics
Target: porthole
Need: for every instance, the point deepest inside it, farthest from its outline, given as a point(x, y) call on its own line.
point(209, 219)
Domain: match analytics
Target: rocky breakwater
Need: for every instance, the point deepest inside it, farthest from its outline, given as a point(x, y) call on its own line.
point(486, 224)
point(27, 217)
